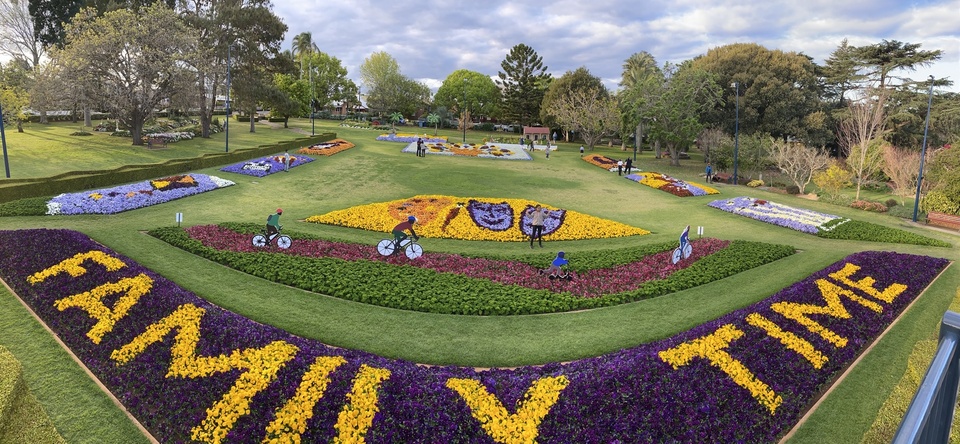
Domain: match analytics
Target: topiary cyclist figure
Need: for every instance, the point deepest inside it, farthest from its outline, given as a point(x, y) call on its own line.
point(398, 231)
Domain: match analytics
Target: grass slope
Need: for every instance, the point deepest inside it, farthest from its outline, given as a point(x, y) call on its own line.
point(376, 171)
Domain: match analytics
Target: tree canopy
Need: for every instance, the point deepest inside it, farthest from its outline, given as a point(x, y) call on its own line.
point(524, 81)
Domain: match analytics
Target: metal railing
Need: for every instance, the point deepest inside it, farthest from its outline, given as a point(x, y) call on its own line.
point(930, 415)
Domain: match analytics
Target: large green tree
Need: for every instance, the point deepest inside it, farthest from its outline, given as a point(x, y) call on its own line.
point(778, 90)
point(640, 83)
point(256, 33)
point(676, 115)
point(49, 17)
point(524, 80)
point(480, 92)
point(579, 79)
point(880, 61)
point(387, 89)
point(133, 58)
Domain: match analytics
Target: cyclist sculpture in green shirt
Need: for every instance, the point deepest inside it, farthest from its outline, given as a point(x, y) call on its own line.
point(273, 225)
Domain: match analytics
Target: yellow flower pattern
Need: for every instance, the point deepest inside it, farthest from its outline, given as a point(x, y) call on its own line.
point(72, 266)
point(92, 302)
point(291, 420)
point(713, 348)
point(444, 217)
point(519, 427)
point(357, 415)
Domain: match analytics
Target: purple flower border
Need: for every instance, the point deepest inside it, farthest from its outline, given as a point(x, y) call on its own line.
point(266, 165)
point(631, 395)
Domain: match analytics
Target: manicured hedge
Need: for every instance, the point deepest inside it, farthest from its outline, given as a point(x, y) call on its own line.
point(866, 231)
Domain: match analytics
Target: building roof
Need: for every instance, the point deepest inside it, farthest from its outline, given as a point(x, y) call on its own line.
point(536, 130)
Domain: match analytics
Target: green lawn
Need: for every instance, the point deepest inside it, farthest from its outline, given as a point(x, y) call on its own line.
point(376, 171)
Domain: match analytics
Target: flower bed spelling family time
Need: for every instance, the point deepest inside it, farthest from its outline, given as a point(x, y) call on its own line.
point(328, 148)
point(671, 185)
point(820, 224)
point(488, 285)
point(135, 195)
point(486, 150)
point(191, 371)
point(475, 218)
point(265, 166)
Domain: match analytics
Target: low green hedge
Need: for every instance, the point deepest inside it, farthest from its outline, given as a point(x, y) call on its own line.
point(866, 231)
point(22, 418)
point(417, 289)
point(12, 189)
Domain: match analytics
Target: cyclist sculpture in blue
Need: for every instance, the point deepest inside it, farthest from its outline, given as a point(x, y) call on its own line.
point(685, 249)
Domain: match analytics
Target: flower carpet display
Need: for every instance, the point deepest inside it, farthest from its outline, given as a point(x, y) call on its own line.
point(327, 148)
point(603, 162)
point(475, 218)
point(191, 371)
point(671, 185)
point(409, 137)
point(486, 150)
point(135, 195)
point(481, 285)
point(820, 224)
point(799, 219)
point(265, 166)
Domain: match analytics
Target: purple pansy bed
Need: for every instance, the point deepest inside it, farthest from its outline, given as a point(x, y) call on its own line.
point(265, 166)
point(189, 370)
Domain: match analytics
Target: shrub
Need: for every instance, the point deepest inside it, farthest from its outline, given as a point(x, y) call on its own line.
point(939, 202)
point(905, 212)
point(793, 189)
point(891, 203)
point(833, 179)
point(866, 205)
point(755, 183)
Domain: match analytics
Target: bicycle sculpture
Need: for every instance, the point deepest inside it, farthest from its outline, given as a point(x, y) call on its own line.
point(685, 249)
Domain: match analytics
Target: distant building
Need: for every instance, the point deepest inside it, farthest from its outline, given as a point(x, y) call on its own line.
point(536, 132)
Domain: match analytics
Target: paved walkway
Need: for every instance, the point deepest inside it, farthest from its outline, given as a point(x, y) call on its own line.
point(279, 125)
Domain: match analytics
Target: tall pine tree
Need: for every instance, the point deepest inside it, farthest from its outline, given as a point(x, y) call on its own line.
point(523, 81)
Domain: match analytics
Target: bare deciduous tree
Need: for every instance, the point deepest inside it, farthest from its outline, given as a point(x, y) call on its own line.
point(902, 166)
point(588, 112)
point(708, 140)
point(798, 162)
point(863, 125)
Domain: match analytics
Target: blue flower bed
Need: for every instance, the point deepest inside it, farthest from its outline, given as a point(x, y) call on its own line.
point(135, 195)
point(409, 138)
point(265, 166)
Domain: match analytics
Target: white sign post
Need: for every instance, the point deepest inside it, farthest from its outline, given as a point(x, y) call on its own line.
point(179, 218)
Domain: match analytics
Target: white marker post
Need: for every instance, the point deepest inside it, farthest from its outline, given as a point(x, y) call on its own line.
point(179, 218)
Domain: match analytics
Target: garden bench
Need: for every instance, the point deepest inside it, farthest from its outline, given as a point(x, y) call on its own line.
point(943, 220)
point(722, 177)
point(155, 142)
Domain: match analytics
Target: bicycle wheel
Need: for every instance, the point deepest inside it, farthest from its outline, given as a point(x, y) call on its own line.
point(676, 255)
point(385, 247)
point(687, 250)
point(414, 250)
point(259, 241)
point(284, 241)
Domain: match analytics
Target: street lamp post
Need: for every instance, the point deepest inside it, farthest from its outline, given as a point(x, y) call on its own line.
point(226, 122)
point(313, 98)
point(464, 110)
point(923, 150)
point(3, 141)
point(736, 132)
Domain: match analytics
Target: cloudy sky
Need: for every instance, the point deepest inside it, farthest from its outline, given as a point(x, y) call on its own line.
point(432, 38)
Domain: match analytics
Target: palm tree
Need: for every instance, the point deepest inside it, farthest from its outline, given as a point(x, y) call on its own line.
point(303, 46)
point(395, 118)
point(434, 120)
